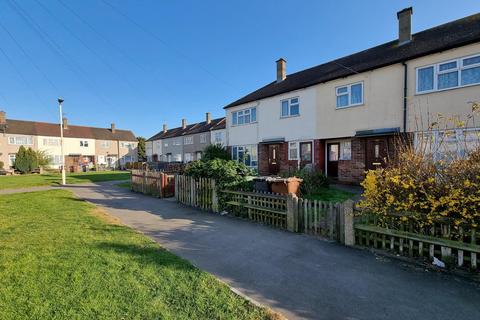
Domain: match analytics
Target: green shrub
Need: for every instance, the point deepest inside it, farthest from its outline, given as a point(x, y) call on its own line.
point(226, 173)
point(1, 165)
point(22, 160)
point(313, 180)
point(215, 151)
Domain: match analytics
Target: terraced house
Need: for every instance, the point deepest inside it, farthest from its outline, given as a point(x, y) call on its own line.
point(342, 116)
point(185, 143)
point(84, 147)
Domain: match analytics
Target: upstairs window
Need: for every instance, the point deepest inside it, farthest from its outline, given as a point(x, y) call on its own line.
point(218, 137)
point(349, 96)
point(245, 116)
point(84, 143)
point(290, 108)
point(449, 74)
point(21, 140)
point(203, 138)
point(105, 144)
point(188, 140)
point(51, 142)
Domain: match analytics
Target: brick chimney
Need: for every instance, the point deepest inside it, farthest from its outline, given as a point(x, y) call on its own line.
point(184, 123)
point(208, 117)
point(405, 25)
point(164, 128)
point(113, 128)
point(3, 117)
point(65, 123)
point(281, 70)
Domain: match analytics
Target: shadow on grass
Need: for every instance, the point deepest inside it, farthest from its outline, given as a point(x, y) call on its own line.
point(148, 254)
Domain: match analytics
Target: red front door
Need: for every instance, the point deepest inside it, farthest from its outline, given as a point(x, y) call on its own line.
point(273, 159)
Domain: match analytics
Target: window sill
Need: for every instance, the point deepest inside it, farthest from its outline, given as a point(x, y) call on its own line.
point(244, 124)
point(350, 106)
point(287, 117)
point(447, 89)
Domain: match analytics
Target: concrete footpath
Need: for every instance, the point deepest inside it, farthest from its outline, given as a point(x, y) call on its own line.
point(297, 275)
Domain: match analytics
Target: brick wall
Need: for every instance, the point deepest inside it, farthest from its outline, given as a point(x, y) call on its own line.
point(287, 166)
point(353, 171)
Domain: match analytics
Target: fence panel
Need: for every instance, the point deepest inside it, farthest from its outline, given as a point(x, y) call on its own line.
point(157, 184)
point(198, 193)
point(440, 240)
point(266, 208)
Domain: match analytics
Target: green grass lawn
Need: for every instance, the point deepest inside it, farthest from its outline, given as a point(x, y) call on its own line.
point(60, 258)
point(331, 194)
point(33, 180)
point(124, 185)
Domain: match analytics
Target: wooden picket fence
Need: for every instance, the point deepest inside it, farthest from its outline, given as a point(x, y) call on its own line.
point(266, 208)
point(199, 193)
point(459, 247)
point(154, 183)
point(313, 217)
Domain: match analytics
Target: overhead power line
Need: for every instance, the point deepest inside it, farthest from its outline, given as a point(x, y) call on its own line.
point(99, 57)
point(149, 71)
point(20, 74)
point(164, 43)
point(53, 45)
point(32, 61)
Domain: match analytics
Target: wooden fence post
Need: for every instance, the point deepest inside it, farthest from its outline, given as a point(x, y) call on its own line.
point(215, 207)
point(292, 211)
point(349, 231)
point(176, 187)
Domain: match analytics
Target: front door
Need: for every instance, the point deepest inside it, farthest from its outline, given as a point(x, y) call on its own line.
point(376, 153)
point(333, 153)
point(273, 158)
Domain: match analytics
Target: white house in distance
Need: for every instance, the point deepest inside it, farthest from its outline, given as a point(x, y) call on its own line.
point(84, 147)
point(187, 142)
point(344, 116)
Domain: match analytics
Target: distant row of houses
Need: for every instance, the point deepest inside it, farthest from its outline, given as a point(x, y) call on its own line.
point(84, 147)
point(342, 116)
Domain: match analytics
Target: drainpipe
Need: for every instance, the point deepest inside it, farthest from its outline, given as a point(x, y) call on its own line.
point(405, 92)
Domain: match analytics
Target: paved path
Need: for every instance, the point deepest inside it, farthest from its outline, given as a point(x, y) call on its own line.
point(297, 275)
point(27, 189)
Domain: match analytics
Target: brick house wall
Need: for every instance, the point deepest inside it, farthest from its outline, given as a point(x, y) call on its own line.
point(288, 166)
point(353, 171)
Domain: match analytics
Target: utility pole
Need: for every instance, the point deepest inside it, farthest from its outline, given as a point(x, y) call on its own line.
point(64, 178)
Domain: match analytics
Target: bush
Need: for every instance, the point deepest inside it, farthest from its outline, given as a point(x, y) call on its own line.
point(215, 151)
point(227, 173)
point(428, 187)
point(1, 165)
point(22, 160)
point(313, 180)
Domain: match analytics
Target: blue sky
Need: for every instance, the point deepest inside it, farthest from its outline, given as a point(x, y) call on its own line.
point(141, 63)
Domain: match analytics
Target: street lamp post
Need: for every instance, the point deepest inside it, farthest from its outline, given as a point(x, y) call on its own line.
point(64, 179)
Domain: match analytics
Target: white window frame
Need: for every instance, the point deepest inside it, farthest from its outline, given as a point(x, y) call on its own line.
point(218, 137)
point(253, 158)
point(84, 143)
point(29, 140)
point(188, 140)
point(343, 146)
point(203, 138)
point(436, 72)
point(11, 159)
point(295, 145)
point(289, 102)
point(243, 113)
point(349, 94)
point(105, 144)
